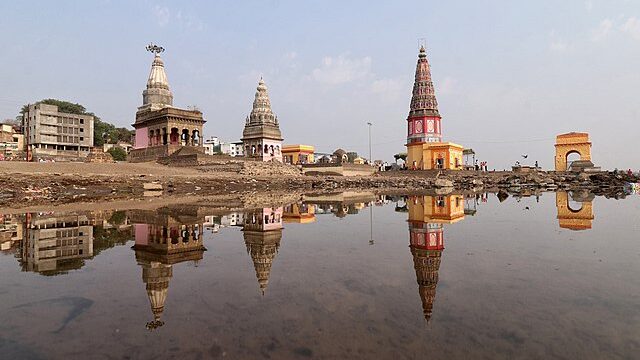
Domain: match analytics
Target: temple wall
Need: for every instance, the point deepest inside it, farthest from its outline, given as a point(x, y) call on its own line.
point(142, 138)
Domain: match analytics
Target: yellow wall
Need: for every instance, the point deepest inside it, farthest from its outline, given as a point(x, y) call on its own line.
point(296, 150)
point(571, 142)
point(436, 209)
point(425, 155)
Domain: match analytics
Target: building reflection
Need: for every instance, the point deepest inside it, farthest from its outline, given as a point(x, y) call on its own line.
point(162, 239)
point(262, 232)
point(11, 234)
point(575, 210)
point(300, 213)
point(427, 215)
point(51, 243)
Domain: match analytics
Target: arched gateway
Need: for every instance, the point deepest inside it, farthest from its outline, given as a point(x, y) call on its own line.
point(570, 143)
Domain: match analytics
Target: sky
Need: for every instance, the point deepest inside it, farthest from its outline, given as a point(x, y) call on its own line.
point(509, 75)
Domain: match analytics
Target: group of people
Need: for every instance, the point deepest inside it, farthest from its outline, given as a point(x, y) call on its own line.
point(482, 166)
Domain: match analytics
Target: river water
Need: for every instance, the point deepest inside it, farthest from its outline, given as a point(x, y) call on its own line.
point(342, 276)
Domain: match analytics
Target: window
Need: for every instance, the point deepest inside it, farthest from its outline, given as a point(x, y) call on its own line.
point(81, 121)
point(81, 130)
point(82, 139)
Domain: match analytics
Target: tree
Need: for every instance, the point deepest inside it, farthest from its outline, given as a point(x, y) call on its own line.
point(118, 153)
point(399, 156)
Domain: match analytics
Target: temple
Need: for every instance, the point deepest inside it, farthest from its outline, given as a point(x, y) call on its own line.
point(262, 231)
point(261, 136)
point(162, 240)
point(425, 148)
point(427, 215)
point(162, 129)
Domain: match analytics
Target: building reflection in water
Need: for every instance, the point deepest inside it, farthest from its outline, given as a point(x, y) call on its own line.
point(575, 210)
point(162, 240)
point(427, 215)
point(262, 232)
point(300, 213)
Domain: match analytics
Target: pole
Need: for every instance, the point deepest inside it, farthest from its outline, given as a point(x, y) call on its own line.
point(371, 223)
point(370, 159)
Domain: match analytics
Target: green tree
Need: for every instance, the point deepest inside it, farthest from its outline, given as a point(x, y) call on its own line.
point(118, 153)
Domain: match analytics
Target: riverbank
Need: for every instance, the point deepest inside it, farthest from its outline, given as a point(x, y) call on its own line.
point(26, 185)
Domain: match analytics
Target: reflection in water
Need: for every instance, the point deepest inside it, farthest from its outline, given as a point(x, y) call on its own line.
point(575, 210)
point(300, 213)
point(427, 214)
point(162, 240)
point(262, 233)
point(55, 243)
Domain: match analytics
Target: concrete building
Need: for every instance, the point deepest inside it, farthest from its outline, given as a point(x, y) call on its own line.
point(425, 148)
point(161, 128)
point(232, 148)
point(212, 145)
point(261, 136)
point(11, 142)
point(51, 134)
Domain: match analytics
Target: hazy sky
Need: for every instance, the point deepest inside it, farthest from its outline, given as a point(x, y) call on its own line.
point(509, 75)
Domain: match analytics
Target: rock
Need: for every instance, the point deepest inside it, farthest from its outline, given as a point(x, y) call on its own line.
point(152, 186)
point(440, 183)
point(502, 195)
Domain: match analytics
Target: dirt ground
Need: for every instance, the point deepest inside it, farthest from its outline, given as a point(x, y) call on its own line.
point(42, 185)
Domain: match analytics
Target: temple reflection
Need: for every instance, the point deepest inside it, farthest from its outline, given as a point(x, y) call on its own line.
point(163, 239)
point(262, 232)
point(427, 215)
point(575, 210)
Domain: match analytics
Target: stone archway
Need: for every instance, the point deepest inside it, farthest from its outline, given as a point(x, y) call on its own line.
point(570, 143)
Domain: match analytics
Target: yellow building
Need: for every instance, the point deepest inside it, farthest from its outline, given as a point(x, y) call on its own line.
point(439, 155)
point(298, 154)
point(359, 161)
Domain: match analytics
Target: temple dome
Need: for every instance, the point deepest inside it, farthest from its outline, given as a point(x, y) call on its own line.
point(261, 122)
point(157, 94)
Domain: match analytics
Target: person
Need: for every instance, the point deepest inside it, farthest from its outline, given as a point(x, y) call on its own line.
point(536, 164)
point(629, 172)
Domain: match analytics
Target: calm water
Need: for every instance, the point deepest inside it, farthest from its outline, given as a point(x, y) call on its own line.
point(346, 276)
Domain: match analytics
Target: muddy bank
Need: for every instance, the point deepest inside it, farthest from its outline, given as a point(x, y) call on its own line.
point(28, 189)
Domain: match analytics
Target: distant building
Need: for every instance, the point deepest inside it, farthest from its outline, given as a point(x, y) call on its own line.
point(298, 154)
point(232, 148)
point(212, 145)
point(121, 144)
point(11, 142)
point(50, 133)
point(261, 136)
point(425, 149)
point(161, 128)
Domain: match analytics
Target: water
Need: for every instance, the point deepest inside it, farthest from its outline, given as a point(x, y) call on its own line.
point(407, 277)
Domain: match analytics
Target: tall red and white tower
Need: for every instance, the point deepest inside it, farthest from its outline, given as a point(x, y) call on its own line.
point(423, 123)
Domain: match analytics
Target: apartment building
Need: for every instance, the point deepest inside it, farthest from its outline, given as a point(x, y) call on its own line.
point(50, 134)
